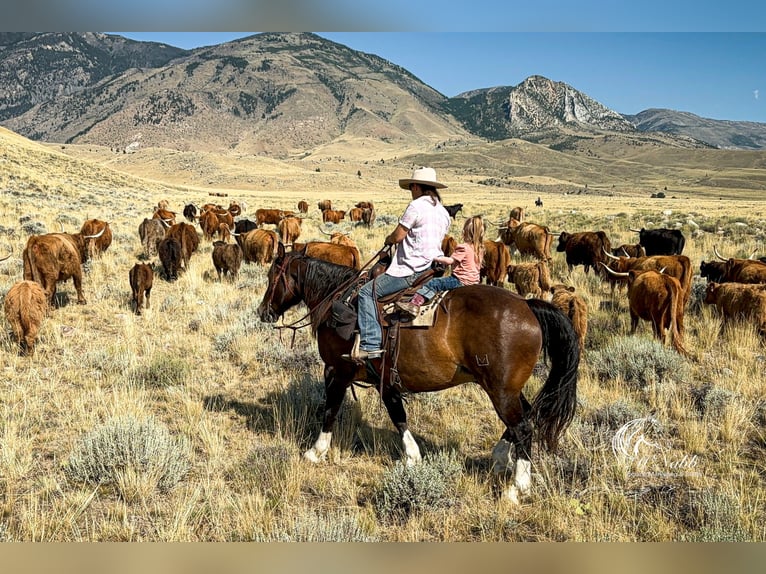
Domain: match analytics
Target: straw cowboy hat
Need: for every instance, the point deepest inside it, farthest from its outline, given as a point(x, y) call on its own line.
point(424, 175)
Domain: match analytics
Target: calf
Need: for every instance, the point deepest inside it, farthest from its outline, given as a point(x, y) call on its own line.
point(227, 258)
point(530, 278)
point(497, 258)
point(141, 278)
point(171, 256)
point(25, 308)
point(574, 307)
point(739, 301)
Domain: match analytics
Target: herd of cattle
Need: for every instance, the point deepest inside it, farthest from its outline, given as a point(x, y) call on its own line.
point(657, 275)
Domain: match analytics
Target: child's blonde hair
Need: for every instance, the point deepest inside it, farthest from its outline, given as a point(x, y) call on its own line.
point(473, 233)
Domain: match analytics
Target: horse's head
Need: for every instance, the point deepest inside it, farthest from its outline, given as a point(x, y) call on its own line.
point(283, 290)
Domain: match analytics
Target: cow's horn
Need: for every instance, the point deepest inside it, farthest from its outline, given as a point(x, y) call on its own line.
point(612, 271)
point(165, 222)
point(625, 252)
point(752, 255)
point(7, 256)
point(325, 232)
point(609, 254)
point(721, 257)
point(99, 234)
point(634, 230)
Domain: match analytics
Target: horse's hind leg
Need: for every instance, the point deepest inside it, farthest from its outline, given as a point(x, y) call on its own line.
point(334, 393)
point(519, 434)
point(393, 401)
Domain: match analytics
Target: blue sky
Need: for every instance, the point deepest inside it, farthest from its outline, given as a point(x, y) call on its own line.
point(719, 75)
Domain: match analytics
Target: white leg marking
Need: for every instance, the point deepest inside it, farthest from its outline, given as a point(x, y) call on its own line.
point(411, 449)
point(523, 476)
point(501, 455)
point(320, 448)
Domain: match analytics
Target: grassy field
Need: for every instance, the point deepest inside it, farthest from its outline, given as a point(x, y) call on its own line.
point(188, 423)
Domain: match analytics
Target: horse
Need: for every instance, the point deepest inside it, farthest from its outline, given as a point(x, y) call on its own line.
point(482, 334)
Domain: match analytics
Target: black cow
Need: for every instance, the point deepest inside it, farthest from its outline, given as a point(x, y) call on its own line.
point(190, 212)
point(171, 256)
point(453, 209)
point(241, 227)
point(585, 248)
point(713, 270)
point(661, 241)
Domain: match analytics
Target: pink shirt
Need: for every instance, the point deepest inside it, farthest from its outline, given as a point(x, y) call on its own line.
point(427, 224)
point(465, 269)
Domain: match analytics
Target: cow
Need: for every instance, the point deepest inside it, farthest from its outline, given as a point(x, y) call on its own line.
point(333, 252)
point(530, 278)
point(167, 217)
point(333, 215)
point(355, 214)
point(364, 205)
point(151, 232)
point(26, 305)
point(586, 248)
point(303, 206)
point(574, 307)
point(713, 270)
point(241, 227)
point(234, 209)
point(55, 257)
point(141, 277)
point(517, 213)
point(739, 301)
point(661, 241)
point(454, 209)
point(171, 257)
point(324, 204)
point(97, 235)
point(529, 238)
point(162, 204)
point(494, 267)
point(742, 270)
point(259, 246)
point(227, 258)
point(190, 212)
point(539, 202)
point(187, 236)
point(658, 298)
point(368, 216)
point(289, 229)
point(208, 222)
point(678, 266)
point(271, 216)
point(626, 250)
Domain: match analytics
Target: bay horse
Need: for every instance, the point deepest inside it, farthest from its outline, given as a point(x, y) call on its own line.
point(482, 334)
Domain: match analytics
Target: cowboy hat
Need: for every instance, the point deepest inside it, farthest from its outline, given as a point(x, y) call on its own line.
point(423, 175)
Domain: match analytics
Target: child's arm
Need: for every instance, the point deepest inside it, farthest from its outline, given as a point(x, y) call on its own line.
point(445, 259)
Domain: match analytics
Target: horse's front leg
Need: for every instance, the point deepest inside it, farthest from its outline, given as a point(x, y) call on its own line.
point(335, 391)
point(395, 407)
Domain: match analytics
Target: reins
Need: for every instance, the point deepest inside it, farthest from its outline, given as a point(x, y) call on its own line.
point(295, 326)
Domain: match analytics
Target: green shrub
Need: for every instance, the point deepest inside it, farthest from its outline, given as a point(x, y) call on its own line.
point(163, 371)
point(128, 447)
point(638, 361)
point(409, 489)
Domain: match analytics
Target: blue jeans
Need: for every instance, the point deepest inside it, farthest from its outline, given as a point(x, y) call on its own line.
point(370, 333)
point(438, 284)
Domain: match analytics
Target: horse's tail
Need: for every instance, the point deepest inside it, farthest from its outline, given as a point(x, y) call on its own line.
point(554, 406)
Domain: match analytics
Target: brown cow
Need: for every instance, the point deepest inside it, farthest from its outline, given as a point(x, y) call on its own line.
point(25, 308)
point(208, 222)
point(626, 250)
point(530, 278)
point(354, 214)
point(55, 257)
point(234, 209)
point(678, 266)
point(364, 205)
point(151, 232)
point(529, 238)
point(97, 235)
point(657, 298)
point(303, 206)
point(742, 270)
point(271, 216)
point(494, 267)
point(333, 252)
point(167, 217)
point(517, 213)
point(368, 216)
point(227, 258)
point(141, 277)
point(333, 215)
point(586, 248)
point(289, 229)
point(259, 246)
point(574, 307)
point(449, 244)
point(187, 236)
point(739, 301)
point(324, 204)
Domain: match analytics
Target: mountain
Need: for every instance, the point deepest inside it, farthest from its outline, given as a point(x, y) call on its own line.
point(719, 133)
point(291, 95)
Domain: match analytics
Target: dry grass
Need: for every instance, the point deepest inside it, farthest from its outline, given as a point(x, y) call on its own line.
point(201, 365)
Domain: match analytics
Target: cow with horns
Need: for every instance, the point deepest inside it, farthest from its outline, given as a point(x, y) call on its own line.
point(528, 238)
point(735, 270)
point(97, 235)
point(586, 248)
point(739, 301)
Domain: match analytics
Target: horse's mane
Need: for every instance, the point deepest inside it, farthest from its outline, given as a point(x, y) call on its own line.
point(322, 280)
